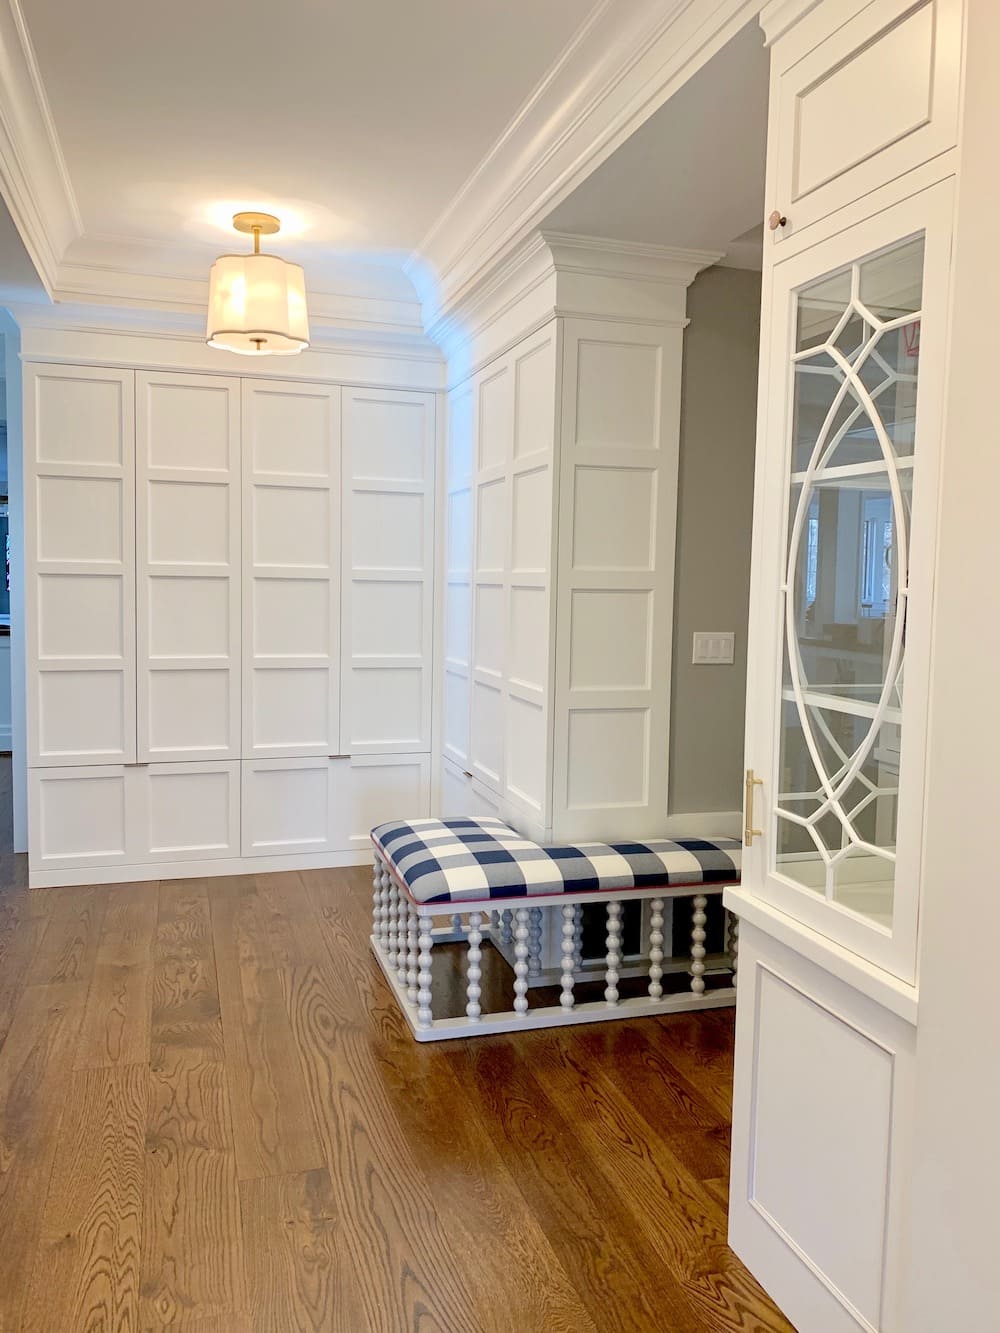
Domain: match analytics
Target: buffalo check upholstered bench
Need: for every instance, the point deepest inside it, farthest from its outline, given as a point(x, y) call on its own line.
point(478, 882)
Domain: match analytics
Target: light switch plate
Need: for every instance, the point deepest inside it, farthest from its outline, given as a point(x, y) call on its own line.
point(714, 647)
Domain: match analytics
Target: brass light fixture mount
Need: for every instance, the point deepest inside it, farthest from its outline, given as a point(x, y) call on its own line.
point(256, 225)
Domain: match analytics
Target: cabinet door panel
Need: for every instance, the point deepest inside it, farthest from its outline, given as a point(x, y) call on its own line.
point(875, 98)
point(79, 537)
point(291, 561)
point(188, 554)
point(842, 578)
point(389, 444)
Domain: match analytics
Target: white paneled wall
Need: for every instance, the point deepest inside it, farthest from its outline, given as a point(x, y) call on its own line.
point(561, 515)
point(617, 528)
point(230, 619)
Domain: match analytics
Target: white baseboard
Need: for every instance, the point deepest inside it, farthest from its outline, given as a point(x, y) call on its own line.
point(237, 865)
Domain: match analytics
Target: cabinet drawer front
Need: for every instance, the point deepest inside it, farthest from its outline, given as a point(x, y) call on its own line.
point(874, 99)
point(292, 806)
point(133, 814)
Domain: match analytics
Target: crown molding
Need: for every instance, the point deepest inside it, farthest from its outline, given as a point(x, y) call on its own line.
point(621, 66)
point(553, 273)
point(33, 176)
point(779, 15)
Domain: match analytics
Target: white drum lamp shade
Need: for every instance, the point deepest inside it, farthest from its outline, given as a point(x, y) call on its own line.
point(257, 304)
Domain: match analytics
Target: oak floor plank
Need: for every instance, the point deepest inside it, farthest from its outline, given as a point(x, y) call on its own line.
point(273, 1126)
point(299, 1273)
point(68, 948)
point(86, 1271)
point(23, 934)
point(521, 1286)
point(116, 1022)
point(192, 1250)
point(186, 1015)
point(686, 1226)
point(35, 1066)
point(406, 1274)
point(624, 1286)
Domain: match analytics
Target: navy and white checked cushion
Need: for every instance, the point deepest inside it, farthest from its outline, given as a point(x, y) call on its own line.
point(458, 860)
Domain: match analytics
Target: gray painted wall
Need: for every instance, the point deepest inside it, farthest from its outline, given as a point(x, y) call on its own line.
point(718, 426)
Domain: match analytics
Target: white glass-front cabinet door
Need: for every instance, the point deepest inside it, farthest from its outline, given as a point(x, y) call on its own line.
point(843, 578)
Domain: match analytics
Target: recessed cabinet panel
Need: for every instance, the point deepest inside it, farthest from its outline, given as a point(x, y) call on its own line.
point(188, 566)
point(287, 806)
point(377, 788)
point(77, 816)
point(614, 518)
point(388, 471)
point(455, 707)
point(189, 811)
point(291, 569)
point(80, 565)
point(81, 712)
point(608, 760)
point(618, 395)
point(874, 99)
point(81, 418)
point(80, 519)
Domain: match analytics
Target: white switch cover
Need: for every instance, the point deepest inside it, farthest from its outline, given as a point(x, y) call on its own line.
point(715, 647)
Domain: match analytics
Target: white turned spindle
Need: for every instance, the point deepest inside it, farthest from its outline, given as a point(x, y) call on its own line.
point(402, 937)
point(474, 972)
point(376, 895)
point(521, 961)
point(394, 906)
point(698, 945)
point(568, 956)
point(578, 937)
point(383, 911)
point(534, 941)
point(411, 948)
point(734, 944)
point(425, 1015)
point(506, 926)
point(456, 922)
point(655, 948)
point(614, 956)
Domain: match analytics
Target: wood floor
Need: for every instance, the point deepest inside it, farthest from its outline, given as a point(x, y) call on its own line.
point(212, 1117)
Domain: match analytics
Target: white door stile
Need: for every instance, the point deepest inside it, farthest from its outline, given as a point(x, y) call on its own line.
point(188, 567)
point(388, 540)
point(79, 508)
point(291, 569)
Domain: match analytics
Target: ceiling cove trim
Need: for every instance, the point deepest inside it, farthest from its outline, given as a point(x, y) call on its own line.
point(33, 176)
point(617, 71)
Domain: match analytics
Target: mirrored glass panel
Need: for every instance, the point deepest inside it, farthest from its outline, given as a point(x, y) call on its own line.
point(851, 461)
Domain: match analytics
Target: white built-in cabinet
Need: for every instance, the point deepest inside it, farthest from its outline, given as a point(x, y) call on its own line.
point(230, 617)
point(560, 527)
point(861, 164)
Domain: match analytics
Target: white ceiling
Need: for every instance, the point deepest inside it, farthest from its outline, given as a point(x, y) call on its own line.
point(693, 175)
point(356, 122)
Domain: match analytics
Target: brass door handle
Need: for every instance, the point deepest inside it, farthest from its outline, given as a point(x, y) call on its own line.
point(749, 832)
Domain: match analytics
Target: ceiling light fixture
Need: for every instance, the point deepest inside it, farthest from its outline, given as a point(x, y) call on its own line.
point(257, 303)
